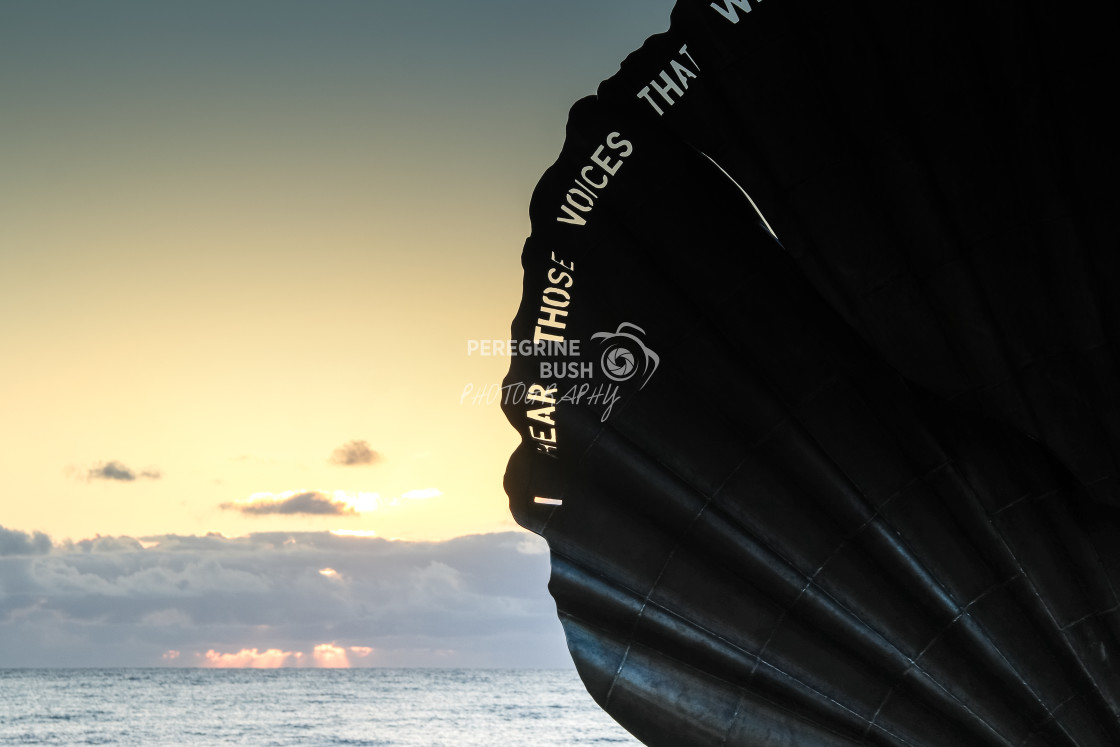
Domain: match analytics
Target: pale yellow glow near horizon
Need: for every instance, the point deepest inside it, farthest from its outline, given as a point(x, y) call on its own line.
point(229, 395)
point(228, 319)
point(223, 255)
point(323, 656)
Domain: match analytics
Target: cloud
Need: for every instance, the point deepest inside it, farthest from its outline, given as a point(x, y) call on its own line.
point(533, 545)
point(105, 544)
point(308, 503)
point(330, 656)
point(354, 453)
point(165, 617)
point(323, 656)
point(249, 658)
point(13, 542)
point(260, 599)
point(114, 470)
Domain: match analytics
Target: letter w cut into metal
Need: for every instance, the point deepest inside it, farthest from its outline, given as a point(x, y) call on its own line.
point(728, 10)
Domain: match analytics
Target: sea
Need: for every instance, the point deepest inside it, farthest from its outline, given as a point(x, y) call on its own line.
point(405, 707)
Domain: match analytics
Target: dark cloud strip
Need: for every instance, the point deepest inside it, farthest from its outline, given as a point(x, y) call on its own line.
point(114, 470)
point(309, 504)
point(354, 453)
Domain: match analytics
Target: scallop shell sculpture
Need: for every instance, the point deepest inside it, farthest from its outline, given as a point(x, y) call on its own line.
point(818, 397)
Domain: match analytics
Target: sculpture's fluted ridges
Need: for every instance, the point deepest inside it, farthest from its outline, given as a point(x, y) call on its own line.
point(834, 463)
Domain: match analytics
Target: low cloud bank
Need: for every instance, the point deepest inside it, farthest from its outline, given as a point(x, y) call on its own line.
point(265, 600)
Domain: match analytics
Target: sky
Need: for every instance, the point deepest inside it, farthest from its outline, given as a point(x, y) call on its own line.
point(244, 247)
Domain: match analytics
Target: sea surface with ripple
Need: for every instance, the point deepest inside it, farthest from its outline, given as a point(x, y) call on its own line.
point(398, 707)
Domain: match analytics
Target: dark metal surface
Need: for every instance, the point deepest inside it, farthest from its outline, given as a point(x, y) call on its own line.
point(859, 486)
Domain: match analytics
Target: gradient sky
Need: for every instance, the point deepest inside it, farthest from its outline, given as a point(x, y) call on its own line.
point(244, 243)
point(236, 236)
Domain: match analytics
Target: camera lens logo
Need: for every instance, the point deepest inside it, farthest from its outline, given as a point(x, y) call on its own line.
point(625, 355)
point(619, 362)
